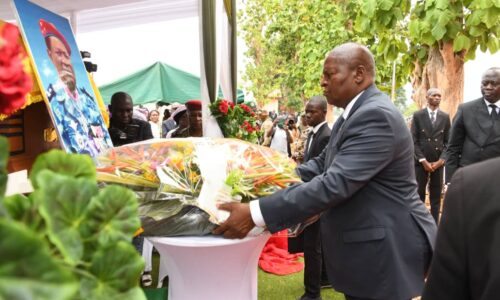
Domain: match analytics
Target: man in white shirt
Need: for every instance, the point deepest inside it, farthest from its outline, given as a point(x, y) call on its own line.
point(430, 129)
point(475, 132)
point(377, 236)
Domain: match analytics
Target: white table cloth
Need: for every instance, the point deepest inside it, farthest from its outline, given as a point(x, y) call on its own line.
point(210, 267)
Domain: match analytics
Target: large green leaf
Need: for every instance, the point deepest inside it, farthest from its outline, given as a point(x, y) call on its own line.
point(27, 269)
point(73, 165)
point(493, 44)
point(116, 270)
point(442, 4)
point(385, 4)
point(461, 42)
point(63, 204)
point(438, 32)
point(24, 209)
point(368, 7)
point(112, 215)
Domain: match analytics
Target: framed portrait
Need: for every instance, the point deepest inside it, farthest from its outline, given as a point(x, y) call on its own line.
point(63, 79)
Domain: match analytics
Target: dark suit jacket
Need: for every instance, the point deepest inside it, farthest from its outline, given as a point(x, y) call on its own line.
point(142, 133)
point(318, 143)
point(466, 262)
point(473, 137)
point(430, 141)
point(374, 226)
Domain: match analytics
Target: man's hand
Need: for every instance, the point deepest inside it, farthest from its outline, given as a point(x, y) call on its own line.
point(427, 166)
point(239, 222)
point(437, 164)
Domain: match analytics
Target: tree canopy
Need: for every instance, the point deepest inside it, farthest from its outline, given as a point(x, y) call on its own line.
point(288, 41)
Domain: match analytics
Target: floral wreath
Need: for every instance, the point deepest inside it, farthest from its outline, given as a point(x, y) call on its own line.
point(235, 121)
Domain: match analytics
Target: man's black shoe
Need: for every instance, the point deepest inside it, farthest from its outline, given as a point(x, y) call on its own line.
point(306, 297)
point(324, 284)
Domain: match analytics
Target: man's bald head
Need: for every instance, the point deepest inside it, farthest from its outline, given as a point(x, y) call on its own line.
point(354, 55)
point(348, 70)
point(320, 101)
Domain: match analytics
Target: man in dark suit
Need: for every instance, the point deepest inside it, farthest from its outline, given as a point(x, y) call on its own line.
point(309, 241)
point(466, 264)
point(429, 128)
point(475, 132)
point(376, 233)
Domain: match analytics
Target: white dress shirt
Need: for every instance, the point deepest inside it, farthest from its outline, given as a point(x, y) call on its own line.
point(255, 211)
point(435, 113)
point(314, 131)
point(430, 117)
point(497, 104)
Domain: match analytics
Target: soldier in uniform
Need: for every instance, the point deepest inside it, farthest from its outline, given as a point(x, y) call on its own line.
point(195, 128)
point(75, 111)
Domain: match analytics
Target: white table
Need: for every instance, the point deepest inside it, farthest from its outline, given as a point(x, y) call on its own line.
point(210, 267)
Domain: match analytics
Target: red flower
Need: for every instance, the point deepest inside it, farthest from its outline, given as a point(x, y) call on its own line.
point(223, 107)
point(235, 123)
point(246, 108)
point(15, 83)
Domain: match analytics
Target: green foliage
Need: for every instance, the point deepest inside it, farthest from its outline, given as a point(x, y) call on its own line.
point(468, 24)
point(288, 40)
point(27, 269)
point(401, 102)
point(80, 166)
point(68, 239)
point(413, 107)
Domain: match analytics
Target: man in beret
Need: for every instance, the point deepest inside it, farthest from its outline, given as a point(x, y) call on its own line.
point(75, 111)
point(195, 121)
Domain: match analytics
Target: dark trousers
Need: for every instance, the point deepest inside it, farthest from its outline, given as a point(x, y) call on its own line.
point(314, 270)
point(435, 180)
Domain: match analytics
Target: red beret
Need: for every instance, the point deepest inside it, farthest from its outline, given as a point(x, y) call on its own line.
point(48, 29)
point(193, 105)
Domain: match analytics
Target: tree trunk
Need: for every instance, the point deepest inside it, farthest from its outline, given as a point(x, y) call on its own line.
point(444, 70)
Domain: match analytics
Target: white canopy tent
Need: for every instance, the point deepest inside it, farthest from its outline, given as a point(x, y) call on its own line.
point(87, 16)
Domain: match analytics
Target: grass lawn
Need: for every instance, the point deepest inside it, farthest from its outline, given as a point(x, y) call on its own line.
point(289, 287)
point(271, 287)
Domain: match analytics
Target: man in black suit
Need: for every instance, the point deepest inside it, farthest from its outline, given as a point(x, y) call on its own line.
point(310, 240)
point(376, 233)
point(429, 128)
point(466, 264)
point(475, 132)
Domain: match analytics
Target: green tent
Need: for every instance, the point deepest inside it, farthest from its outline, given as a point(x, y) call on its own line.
point(158, 82)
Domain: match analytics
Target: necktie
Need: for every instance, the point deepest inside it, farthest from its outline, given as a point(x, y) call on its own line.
point(494, 113)
point(337, 125)
point(433, 117)
point(310, 136)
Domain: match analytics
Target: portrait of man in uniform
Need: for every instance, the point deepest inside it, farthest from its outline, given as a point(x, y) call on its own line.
point(62, 76)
